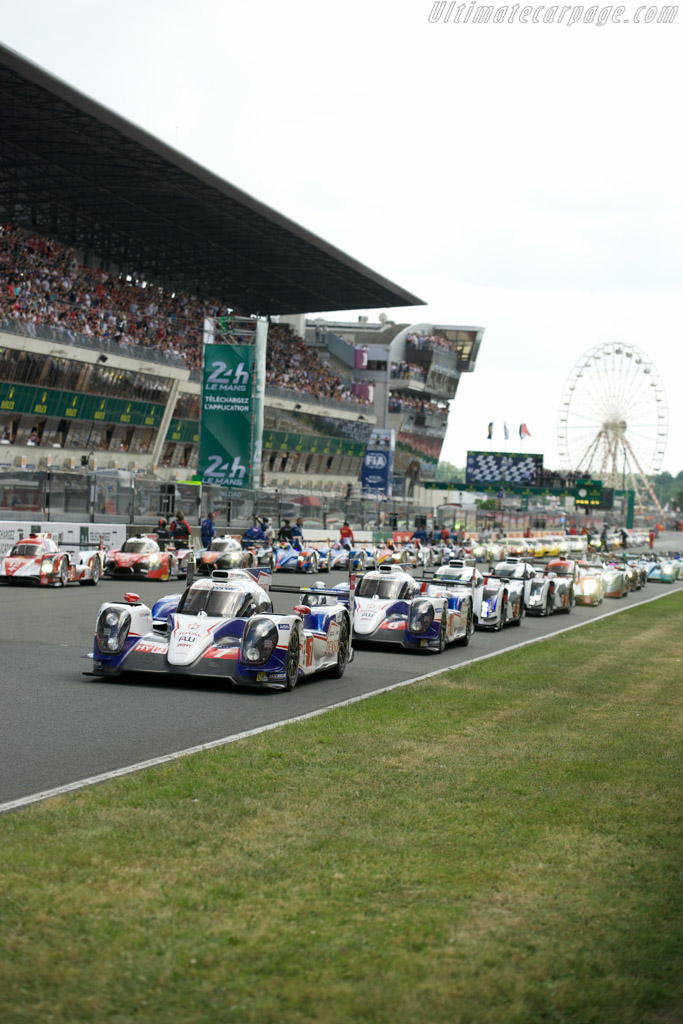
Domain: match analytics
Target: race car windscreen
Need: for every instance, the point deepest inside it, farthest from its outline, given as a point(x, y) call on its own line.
point(455, 576)
point(223, 604)
point(225, 545)
point(25, 550)
point(138, 547)
point(509, 572)
point(381, 588)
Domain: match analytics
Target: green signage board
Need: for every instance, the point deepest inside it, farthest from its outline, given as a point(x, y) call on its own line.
point(226, 417)
point(21, 398)
point(588, 493)
point(183, 431)
point(281, 441)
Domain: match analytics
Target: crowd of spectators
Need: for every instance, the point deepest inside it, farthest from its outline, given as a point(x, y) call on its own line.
point(43, 282)
point(550, 478)
point(423, 341)
point(291, 364)
point(404, 371)
point(430, 446)
point(403, 403)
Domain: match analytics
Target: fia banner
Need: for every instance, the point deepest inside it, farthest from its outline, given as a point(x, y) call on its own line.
point(377, 471)
point(226, 424)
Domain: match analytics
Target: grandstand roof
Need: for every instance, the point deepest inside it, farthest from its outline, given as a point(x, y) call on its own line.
point(72, 169)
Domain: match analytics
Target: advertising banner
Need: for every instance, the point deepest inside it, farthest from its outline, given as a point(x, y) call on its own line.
point(226, 418)
point(378, 464)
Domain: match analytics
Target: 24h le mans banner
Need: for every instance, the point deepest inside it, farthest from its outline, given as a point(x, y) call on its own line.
point(226, 424)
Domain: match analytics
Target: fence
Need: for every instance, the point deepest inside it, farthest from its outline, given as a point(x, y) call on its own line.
point(117, 496)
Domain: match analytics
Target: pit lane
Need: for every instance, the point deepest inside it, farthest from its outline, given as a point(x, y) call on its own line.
point(59, 726)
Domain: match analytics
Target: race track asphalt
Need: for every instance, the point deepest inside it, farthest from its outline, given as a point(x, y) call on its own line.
point(59, 725)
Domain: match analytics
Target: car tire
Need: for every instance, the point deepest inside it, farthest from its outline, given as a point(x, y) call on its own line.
point(314, 563)
point(343, 652)
point(96, 573)
point(464, 640)
point(522, 613)
point(292, 663)
point(503, 617)
point(442, 633)
point(64, 572)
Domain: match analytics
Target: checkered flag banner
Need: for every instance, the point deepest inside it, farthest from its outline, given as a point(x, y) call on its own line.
point(516, 468)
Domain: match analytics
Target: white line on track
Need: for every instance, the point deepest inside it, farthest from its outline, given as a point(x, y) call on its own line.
point(117, 773)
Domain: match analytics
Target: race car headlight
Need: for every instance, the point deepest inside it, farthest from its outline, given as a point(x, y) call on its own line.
point(420, 616)
point(47, 565)
point(259, 642)
point(154, 559)
point(112, 630)
point(590, 586)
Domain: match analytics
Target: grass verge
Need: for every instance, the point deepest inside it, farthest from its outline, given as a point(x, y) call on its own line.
point(502, 844)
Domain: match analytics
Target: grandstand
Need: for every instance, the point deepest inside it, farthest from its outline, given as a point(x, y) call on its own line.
point(408, 374)
point(113, 249)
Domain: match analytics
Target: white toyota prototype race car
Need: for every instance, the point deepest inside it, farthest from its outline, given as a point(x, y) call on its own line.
point(39, 559)
point(224, 627)
point(391, 606)
point(497, 600)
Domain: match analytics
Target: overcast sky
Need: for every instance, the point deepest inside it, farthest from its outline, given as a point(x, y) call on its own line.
point(525, 178)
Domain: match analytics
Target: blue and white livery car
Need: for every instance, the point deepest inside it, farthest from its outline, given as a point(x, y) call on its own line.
point(391, 606)
point(223, 627)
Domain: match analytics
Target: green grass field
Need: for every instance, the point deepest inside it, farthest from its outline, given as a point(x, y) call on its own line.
point(502, 844)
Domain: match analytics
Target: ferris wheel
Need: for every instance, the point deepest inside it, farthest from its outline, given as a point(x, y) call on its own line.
point(612, 423)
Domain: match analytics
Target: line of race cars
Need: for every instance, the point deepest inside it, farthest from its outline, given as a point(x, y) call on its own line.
point(224, 626)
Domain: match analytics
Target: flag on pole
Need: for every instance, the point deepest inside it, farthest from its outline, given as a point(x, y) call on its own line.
point(524, 431)
point(506, 432)
point(490, 431)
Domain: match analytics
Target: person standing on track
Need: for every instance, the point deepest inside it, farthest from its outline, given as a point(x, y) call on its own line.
point(346, 534)
point(181, 532)
point(298, 534)
point(208, 529)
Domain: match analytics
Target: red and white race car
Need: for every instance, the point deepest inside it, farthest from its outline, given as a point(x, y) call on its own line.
point(38, 559)
point(141, 558)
